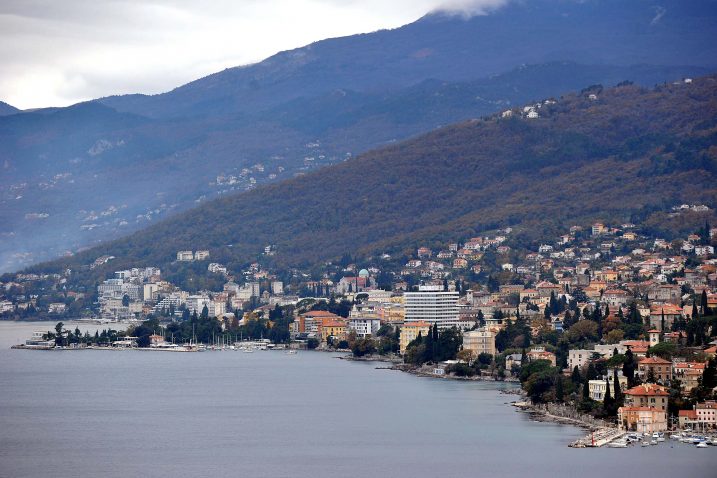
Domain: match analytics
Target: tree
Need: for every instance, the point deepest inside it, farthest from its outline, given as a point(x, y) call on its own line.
point(583, 331)
point(481, 319)
point(703, 303)
point(591, 373)
point(205, 312)
point(709, 376)
point(312, 343)
point(617, 393)
point(575, 377)
point(465, 355)
point(608, 402)
point(559, 393)
point(363, 347)
point(125, 300)
point(665, 350)
point(651, 376)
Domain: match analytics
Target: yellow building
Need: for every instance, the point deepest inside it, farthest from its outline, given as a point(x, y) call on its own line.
point(409, 332)
point(333, 328)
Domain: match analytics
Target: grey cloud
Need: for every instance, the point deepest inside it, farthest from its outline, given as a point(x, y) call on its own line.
point(55, 53)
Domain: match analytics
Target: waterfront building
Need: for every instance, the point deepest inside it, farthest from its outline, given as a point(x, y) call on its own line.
point(433, 305)
point(647, 395)
point(539, 353)
point(309, 322)
point(410, 331)
point(687, 418)
point(335, 328)
point(364, 326)
point(707, 414)
point(479, 341)
point(513, 361)
point(642, 419)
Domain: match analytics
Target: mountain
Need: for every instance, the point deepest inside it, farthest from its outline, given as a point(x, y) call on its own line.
point(625, 153)
point(73, 177)
point(453, 48)
point(6, 109)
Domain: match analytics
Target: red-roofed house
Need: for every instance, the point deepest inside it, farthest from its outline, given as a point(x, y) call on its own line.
point(647, 395)
point(670, 311)
point(661, 369)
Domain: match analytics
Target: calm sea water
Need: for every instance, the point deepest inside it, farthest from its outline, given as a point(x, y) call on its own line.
point(268, 414)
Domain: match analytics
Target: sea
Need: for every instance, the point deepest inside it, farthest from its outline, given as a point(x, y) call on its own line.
point(132, 413)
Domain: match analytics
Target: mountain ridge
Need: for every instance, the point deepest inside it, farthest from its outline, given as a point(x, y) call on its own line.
point(7, 109)
point(629, 151)
point(124, 168)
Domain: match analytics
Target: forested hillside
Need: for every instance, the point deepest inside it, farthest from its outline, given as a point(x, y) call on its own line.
point(75, 176)
point(627, 151)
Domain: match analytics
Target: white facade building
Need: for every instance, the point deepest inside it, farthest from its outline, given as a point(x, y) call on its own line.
point(431, 304)
point(364, 326)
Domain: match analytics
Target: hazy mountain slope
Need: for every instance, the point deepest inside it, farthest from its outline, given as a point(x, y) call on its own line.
point(631, 151)
point(76, 176)
point(615, 32)
point(6, 109)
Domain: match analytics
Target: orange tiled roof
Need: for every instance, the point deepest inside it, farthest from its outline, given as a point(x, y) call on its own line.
point(654, 360)
point(319, 313)
point(648, 389)
point(639, 409)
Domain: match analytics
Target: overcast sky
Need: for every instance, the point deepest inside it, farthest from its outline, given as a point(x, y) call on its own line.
point(59, 52)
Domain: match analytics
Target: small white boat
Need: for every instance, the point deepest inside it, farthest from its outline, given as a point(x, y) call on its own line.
point(645, 443)
point(653, 442)
point(618, 444)
point(291, 352)
point(702, 445)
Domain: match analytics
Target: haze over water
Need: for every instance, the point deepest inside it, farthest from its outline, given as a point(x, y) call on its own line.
point(268, 414)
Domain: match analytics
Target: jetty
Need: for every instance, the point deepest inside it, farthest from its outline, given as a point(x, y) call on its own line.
point(598, 438)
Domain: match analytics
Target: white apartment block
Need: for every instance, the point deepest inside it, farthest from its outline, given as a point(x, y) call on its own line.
point(431, 304)
point(364, 326)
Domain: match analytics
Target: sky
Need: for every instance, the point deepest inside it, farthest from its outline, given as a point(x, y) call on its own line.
point(60, 52)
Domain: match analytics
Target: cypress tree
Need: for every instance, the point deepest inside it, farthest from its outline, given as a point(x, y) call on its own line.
point(695, 313)
point(559, 393)
point(617, 391)
point(575, 377)
point(608, 403)
point(429, 346)
point(705, 309)
point(591, 374)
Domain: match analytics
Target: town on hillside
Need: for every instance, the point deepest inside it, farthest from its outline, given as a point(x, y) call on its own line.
point(606, 320)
